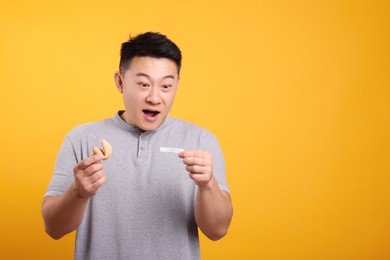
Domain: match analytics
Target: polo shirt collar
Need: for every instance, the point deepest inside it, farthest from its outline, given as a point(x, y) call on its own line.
point(134, 129)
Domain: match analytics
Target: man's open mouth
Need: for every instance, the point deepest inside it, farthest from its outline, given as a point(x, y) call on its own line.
point(150, 113)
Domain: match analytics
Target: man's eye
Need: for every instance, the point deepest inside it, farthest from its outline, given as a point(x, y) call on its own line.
point(143, 85)
point(166, 87)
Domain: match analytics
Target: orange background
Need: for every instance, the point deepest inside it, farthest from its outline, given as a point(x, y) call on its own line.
point(297, 92)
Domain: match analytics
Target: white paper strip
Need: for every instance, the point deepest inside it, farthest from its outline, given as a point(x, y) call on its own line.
point(170, 150)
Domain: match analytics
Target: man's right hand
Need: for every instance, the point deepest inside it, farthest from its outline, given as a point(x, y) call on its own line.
point(89, 176)
point(62, 214)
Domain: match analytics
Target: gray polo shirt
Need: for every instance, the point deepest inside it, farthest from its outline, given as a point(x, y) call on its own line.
point(145, 210)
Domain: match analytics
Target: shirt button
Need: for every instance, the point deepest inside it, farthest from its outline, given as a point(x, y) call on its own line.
point(142, 148)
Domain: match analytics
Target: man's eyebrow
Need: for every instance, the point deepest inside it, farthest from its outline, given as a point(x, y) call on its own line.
point(141, 74)
point(169, 77)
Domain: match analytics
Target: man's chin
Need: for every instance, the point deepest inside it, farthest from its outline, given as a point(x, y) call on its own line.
point(150, 126)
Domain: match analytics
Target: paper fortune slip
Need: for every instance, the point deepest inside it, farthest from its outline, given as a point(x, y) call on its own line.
point(170, 150)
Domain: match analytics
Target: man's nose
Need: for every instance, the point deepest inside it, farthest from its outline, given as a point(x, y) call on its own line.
point(153, 97)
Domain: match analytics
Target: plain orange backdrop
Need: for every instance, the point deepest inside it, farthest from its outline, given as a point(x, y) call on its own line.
point(297, 92)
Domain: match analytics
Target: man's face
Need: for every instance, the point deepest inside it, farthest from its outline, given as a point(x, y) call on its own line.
point(148, 87)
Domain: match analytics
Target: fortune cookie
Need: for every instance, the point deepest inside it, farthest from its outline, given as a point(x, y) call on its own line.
point(106, 151)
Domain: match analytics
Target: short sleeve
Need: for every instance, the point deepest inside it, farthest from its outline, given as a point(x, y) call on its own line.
point(211, 144)
point(63, 171)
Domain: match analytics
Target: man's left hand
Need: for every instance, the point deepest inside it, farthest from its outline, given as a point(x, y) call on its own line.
point(199, 164)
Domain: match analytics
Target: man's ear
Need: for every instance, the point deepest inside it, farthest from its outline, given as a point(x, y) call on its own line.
point(118, 81)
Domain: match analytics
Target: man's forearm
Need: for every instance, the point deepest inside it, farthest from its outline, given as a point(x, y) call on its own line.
point(213, 211)
point(63, 214)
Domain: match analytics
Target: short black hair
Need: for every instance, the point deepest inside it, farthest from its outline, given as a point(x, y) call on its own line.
point(149, 44)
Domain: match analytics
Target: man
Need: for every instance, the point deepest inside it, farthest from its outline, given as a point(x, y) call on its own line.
point(143, 202)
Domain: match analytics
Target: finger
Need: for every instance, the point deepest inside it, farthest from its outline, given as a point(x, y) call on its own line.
point(196, 169)
point(83, 175)
point(199, 179)
point(195, 161)
point(96, 176)
point(93, 168)
point(94, 187)
point(88, 161)
point(192, 153)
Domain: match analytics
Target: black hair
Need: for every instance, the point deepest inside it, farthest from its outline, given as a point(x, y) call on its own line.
point(150, 44)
